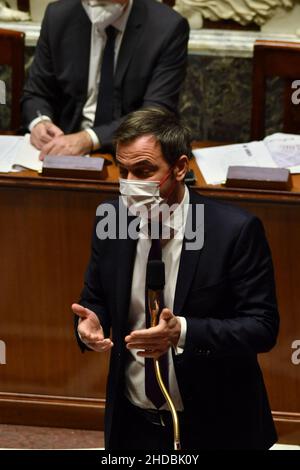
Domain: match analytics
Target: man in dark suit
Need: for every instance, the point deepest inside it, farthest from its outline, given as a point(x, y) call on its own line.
point(219, 295)
point(61, 105)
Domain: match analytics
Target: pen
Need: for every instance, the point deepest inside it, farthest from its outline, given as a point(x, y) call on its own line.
point(39, 115)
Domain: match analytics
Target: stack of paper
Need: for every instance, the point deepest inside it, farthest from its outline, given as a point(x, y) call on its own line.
point(285, 150)
point(276, 151)
point(17, 153)
point(214, 161)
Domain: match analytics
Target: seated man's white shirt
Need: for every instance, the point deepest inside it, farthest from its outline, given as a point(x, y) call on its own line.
point(98, 41)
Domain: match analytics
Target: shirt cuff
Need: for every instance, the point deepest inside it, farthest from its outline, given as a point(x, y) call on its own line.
point(37, 120)
point(95, 139)
point(181, 342)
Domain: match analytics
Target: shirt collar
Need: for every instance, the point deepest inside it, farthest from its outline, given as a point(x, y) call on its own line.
point(175, 223)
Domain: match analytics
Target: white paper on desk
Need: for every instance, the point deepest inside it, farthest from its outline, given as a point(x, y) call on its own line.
point(294, 170)
point(27, 156)
point(285, 149)
point(17, 153)
point(8, 150)
point(214, 161)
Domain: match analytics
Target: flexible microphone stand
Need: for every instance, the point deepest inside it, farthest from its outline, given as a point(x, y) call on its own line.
point(155, 282)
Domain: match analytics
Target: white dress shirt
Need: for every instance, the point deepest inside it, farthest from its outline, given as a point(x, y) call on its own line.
point(98, 41)
point(171, 251)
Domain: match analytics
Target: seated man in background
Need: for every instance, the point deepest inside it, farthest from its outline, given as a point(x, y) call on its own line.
point(219, 295)
point(95, 62)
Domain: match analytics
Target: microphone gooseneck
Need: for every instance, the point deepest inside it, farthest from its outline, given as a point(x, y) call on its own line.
point(155, 283)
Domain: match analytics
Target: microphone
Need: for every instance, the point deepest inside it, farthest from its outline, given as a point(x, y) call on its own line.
point(155, 283)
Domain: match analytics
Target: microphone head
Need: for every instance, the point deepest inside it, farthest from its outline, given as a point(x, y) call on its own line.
point(155, 275)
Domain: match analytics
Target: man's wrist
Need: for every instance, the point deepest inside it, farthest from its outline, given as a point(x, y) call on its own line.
point(178, 349)
point(86, 142)
point(94, 138)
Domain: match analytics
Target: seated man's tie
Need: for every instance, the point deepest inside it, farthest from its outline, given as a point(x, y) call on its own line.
point(104, 111)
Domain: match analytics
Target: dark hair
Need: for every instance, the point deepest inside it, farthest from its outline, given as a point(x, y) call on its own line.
point(173, 137)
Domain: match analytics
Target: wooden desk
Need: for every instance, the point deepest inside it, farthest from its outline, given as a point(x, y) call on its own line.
point(45, 234)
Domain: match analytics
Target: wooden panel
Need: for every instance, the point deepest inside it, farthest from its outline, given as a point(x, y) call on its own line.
point(12, 53)
point(288, 427)
point(44, 249)
point(40, 410)
point(274, 59)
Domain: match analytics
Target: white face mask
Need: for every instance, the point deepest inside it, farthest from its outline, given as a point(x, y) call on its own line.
point(140, 197)
point(103, 12)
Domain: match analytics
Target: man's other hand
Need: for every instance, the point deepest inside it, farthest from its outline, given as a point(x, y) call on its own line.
point(90, 329)
point(79, 143)
point(43, 132)
point(155, 341)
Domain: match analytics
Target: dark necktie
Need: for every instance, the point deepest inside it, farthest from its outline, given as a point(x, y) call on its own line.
point(152, 388)
point(104, 111)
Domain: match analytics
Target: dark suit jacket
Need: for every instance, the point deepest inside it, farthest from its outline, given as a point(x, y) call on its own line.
point(226, 292)
point(150, 69)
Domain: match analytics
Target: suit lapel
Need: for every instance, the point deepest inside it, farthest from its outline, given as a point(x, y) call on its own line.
point(130, 39)
point(126, 257)
point(80, 34)
point(188, 262)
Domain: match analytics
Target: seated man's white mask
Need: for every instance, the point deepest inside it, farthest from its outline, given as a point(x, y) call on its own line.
point(103, 12)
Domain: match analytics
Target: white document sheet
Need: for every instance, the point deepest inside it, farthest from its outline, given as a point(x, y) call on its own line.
point(285, 150)
point(8, 150)
point(294, 170)
point(214, 161)
point(28, 156)
point(17, 153)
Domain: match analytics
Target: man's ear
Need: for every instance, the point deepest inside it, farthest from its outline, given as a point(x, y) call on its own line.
point(181, 168)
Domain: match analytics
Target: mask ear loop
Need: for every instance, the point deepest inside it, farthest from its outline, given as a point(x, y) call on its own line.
point(165, 177)
point(164, 180)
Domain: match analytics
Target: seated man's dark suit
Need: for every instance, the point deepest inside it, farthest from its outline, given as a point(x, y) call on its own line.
point(226, 292)
point(150, 69)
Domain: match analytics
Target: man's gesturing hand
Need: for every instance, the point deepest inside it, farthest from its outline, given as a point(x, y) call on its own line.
point(155, 341)
point(90, 329)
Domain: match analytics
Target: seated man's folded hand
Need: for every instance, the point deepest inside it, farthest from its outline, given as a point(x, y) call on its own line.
point(43, 133)
point(79, 143)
